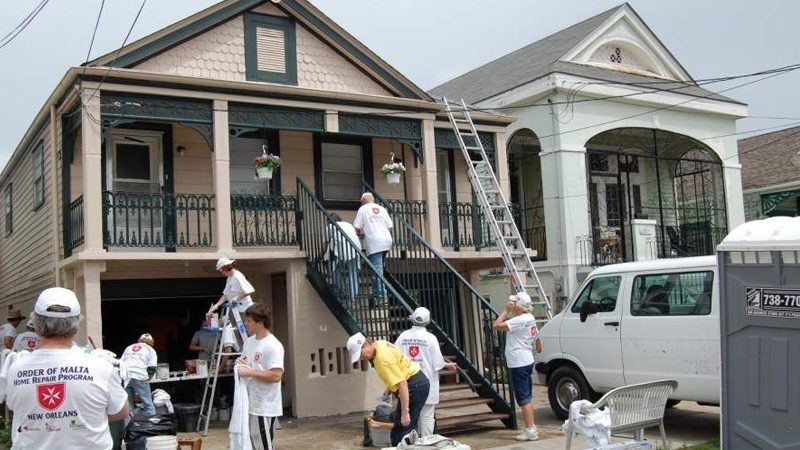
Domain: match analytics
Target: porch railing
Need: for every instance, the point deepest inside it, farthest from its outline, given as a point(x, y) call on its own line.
point(259, 220)
point(170, 220)
point(74, 226)
point(412, 211)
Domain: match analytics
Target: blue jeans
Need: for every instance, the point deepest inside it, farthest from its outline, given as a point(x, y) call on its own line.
point(418, 387)
point(141, 387)
point(378, 289)
point(351, 265)
point(521, 381)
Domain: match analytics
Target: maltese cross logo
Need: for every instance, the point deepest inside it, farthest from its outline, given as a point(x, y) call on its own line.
point(51, 395)
point(375, 210)
point(413, 351)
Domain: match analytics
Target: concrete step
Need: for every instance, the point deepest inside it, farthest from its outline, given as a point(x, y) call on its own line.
point(462, 402)
point(468, 419)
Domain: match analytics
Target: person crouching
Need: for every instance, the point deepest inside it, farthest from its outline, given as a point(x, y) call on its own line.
point(141, 360)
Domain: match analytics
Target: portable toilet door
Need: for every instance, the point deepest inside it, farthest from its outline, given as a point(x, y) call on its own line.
point(759, 269)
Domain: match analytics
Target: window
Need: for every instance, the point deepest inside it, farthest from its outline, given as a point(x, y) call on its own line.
point(602, 291)
point(628, 163)
point(613, 205)
point(342, 164)
point(9, 209)
point(38, 175)
point(270, 49)
point(672, 294)
point(598, 162)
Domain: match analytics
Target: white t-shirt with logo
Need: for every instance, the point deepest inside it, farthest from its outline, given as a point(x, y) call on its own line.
point(138, 357)
point(61, 399)
point(26, 340)
point(338, 246)
point(522, 331)
point(8, 330)
point(237, 284)
point(377, 226)
point(422, 347)
point(264, 398)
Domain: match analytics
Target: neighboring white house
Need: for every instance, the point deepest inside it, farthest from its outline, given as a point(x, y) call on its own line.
point(617, 153)
point(771, 174)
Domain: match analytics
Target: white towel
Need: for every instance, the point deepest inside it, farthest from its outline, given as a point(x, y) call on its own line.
point(239, 427)
point(594, 425)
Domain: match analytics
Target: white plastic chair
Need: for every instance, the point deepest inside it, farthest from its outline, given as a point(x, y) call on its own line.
point(634, 408)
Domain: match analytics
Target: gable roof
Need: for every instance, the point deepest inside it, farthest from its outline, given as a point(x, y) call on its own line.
point(770, 159)
point(301, 10)
point(542, 58)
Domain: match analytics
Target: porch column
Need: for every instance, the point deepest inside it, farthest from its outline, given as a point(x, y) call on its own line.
point(86, 284)
point(222, 178)
point(92, 167)
point(734, 198)
point(429, 188)
point(501, 162)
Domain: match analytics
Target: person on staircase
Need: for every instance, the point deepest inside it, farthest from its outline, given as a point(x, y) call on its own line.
point(342, 256)
point(373, 222)
point(401, 376)
point(141, 360)
point(237, 294)
point(521, 332)
point(422, 347)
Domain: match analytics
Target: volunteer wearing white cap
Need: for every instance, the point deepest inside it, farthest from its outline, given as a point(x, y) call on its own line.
point(237, 293)
point(401, 376)
point(27, 340)
point(373, 222)
point(62, 399)
point(141, 360)
point(522, 331)
point(422, 347)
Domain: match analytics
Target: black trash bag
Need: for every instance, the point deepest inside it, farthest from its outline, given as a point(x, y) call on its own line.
point(383, 413)
point(143, 427)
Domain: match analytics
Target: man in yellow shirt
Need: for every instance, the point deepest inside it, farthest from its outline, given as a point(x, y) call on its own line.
point(400, 375)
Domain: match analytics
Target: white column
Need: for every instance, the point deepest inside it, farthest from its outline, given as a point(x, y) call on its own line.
point(501, 162)
point(734, 198)
point(222, 178)
point(92, 184)
point(429, 187)
point(331, 121)
point(87, 288)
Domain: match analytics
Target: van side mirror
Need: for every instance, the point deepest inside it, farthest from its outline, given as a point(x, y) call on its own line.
point(587, 308)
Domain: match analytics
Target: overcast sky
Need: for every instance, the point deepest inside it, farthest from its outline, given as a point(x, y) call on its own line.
point(430, 41)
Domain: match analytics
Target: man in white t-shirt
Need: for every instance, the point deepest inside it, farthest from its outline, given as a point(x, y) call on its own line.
point(237, 294)
point(373, 222)
point(27, 340)
point(261, 365)
point(9, 330)
point(521, 332)
point(61, 398)
point(141, 360)
point(343, 255)
point(422, 347)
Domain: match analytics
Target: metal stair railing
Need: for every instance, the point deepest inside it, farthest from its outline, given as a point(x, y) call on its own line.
point(415, 266)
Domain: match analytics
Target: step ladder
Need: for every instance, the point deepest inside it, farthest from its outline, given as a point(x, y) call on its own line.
point(230, 316)
point(496, 211)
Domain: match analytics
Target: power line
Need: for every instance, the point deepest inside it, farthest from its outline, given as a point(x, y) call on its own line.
point(94, 33)
point(8, 38)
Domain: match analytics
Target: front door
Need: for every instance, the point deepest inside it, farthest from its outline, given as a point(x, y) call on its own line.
point(596, 342)
point(444, 191)
point(134, 174)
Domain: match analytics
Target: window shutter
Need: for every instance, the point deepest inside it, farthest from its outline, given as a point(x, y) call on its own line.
point(271, 50)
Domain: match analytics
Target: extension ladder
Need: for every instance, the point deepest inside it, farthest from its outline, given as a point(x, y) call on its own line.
point(496, 211)
point(230, 317)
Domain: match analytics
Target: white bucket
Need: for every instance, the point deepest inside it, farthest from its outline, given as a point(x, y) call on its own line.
point(162, 371)
point(162, 443)
point(202, 368)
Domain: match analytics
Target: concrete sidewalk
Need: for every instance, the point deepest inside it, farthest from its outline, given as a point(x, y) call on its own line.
point(687, 424)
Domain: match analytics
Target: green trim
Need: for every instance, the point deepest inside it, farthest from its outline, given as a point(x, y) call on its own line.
point(242, 115)
point(252, 22)
point(134, 107)
point(37, 160)
point(176, 37)
point(406, 131)
point(771, 201)
point(446, 139)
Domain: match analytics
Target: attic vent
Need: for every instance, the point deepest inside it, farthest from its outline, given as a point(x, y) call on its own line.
point(271, 52)
point(616, 56)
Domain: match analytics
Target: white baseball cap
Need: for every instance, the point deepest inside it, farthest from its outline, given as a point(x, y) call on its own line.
point(354, 345)
point(522, 298)
point(57, 296)
point(222, 262)
point(147, 336)
point(421, 316)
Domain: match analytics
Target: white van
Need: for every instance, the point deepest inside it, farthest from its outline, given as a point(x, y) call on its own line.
point(635, 322)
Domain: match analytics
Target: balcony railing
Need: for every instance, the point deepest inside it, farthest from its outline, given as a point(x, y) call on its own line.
point(413, 212)
point(151, 220)
point(73, 228)
point(260, 220)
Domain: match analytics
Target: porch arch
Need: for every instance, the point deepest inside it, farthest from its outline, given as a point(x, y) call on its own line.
point(653, 194)
point(525, 176)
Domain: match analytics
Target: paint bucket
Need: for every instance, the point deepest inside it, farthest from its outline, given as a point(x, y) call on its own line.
point(162, 443)
point(162, 371)
point(202, 368)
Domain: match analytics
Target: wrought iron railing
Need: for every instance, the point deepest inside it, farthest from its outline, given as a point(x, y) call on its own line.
point(412, 211)
point(170, 220)
point(456, 306)
point(74, 225)
point(260, 220)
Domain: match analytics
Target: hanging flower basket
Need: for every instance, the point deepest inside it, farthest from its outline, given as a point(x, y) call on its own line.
point(266, 164)
point(393, 170)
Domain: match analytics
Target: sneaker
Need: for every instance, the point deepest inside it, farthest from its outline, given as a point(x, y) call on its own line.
point(529, 434)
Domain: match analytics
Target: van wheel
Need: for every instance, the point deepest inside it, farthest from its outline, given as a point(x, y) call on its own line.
point(566, 385)
point(672, 403)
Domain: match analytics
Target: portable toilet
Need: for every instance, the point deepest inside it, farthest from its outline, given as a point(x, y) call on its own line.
point(759, 270)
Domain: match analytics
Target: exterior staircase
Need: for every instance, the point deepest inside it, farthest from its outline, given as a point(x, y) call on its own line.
point(415, 275)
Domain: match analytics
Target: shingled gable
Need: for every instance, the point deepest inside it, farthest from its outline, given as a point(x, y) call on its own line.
point(305, 15)
point(555, 54)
